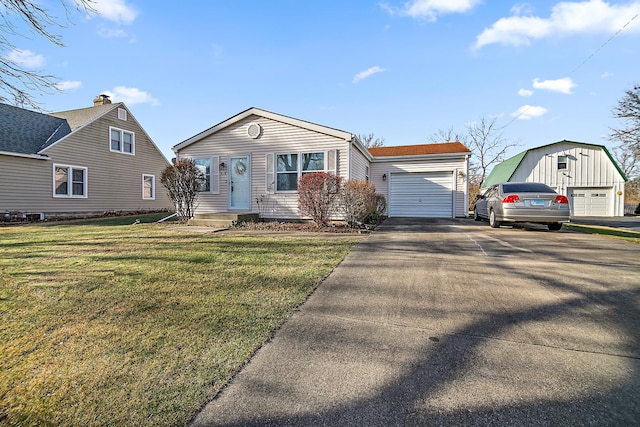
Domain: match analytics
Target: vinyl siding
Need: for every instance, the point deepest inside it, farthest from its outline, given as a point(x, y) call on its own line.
point(114, 179)
point(587, 167)
point(276, 138)
point(379, 168)
point(359, 165)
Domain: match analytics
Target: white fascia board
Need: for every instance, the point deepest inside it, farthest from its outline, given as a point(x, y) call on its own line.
point(360, 146)
point(269, 115)
point(28, 156)
point(459, 156)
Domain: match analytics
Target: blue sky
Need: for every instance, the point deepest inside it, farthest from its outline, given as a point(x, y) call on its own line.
point(403, 70)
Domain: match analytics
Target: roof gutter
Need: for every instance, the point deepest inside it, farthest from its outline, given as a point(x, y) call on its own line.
point(28, 156)
point(421, 157)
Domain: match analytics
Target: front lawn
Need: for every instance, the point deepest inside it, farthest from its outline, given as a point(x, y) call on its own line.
point(628, 235)
point(104, 324)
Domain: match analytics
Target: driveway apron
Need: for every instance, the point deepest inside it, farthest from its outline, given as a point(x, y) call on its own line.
point(449, 322)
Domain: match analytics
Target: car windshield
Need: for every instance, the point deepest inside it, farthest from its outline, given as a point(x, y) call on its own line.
point(526, 187)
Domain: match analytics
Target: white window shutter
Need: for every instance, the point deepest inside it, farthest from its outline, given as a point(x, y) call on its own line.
point(270, 182)
point(215, 174)
point(331, 162)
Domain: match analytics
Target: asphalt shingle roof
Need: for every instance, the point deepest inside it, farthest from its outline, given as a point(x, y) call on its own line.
point(28, 132)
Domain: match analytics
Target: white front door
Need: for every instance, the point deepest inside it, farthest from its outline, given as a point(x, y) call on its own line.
point(239, 183)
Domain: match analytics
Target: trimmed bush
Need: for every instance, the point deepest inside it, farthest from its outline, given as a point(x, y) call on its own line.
point(359, 201)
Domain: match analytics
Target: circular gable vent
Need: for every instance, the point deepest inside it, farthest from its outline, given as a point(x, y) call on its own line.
point(254, 130)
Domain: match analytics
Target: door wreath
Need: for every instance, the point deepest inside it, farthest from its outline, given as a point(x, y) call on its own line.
point(239, 168)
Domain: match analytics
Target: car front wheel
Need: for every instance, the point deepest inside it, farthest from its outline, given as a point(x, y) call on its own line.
point(555, 226)
point(493, 222)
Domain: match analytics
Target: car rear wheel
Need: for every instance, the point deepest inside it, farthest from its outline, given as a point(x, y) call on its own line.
point(493, 222)
point(555, 226)
point(475, 214)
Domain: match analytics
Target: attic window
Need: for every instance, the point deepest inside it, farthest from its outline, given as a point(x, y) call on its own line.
point(122, 114)
point(562, 162)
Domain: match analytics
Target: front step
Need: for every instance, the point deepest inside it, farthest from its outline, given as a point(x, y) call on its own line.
point(222, 219)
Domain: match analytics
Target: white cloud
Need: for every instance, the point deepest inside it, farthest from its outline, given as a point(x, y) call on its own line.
point(131, 96)
point(367, 73)
point(567, 18)
point(525, 92)
point(560, 85)
point(528, 112)
point(430, 9)
point(605, 75)
point(26, 58)
point(109, 33)
point(117, 11)
point(69, 84)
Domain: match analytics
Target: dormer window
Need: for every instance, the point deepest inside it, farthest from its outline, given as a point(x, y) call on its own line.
point(562, 162)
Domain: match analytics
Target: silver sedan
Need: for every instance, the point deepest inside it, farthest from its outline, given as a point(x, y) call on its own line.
point(513, 202)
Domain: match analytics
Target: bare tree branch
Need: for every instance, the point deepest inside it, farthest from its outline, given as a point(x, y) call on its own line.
point(369, 141)
point(19, 82)
point(628, 136)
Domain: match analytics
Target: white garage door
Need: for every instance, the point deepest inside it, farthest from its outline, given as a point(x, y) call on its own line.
point(590, 201)
point(421, 195)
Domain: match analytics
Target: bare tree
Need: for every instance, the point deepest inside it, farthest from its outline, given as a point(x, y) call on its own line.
point(628, 109)
point(369, 141)
point(488, 147)
point(17, 81)
point(183, 181)
point(447, 135)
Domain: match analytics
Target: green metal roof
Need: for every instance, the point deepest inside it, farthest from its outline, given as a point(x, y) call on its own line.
point(503, 171)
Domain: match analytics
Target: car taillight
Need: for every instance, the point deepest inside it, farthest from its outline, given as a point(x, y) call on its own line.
point(561, 199)
point(511, 198)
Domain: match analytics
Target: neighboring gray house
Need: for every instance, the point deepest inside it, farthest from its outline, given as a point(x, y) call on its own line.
point(253, 160)
point(81, 162)
point(586, 173)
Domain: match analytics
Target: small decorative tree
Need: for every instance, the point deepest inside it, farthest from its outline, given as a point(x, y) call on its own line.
point(183, 181)
point(359, 201)
point(318, 193)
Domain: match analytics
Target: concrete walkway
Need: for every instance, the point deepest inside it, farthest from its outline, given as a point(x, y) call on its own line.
point(447, 322)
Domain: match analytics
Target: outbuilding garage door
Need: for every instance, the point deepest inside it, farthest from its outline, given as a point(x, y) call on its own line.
point(421, 195)
point(590, 201)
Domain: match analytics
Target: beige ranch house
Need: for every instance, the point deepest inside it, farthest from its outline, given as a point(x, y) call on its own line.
point(253, 161)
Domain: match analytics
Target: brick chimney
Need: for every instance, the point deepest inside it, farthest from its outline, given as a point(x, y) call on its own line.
point(101, 100)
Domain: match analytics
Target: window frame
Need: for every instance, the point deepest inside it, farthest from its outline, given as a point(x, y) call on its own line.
point(121, 149)
point(70, 182)
point(214, 173)
point(565, 163)
point(299, 172)
point(153, 186)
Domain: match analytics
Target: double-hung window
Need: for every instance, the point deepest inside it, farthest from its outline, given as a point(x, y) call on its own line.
point(69, 181)
point(562, 162)
point(290, 167)
point(122, 141)
point(148, 187)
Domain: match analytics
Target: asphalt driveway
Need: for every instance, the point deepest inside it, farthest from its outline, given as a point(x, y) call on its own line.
point(450, 322)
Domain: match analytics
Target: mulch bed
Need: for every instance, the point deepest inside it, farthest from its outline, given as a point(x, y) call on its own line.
point(304, 227)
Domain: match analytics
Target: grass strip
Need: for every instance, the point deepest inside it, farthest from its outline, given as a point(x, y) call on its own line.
point(104, 324)
point(628, 235)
